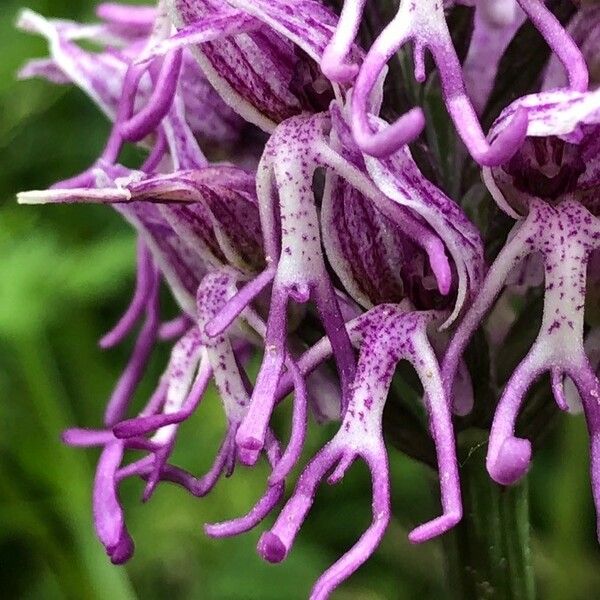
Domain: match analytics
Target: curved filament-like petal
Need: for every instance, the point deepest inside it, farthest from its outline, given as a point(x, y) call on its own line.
point(134, 371)
point(143, 288)
point(108, 514)
point(334, 62)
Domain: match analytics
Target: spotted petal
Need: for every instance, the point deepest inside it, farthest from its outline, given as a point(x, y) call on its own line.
point(399, 178)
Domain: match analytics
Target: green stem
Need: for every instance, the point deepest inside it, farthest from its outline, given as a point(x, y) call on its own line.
point(488, 553)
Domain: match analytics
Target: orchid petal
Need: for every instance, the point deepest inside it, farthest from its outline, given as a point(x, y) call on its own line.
point(400, 180)
point(561, 113)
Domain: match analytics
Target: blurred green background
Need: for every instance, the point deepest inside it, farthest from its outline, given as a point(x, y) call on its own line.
point(65, 275)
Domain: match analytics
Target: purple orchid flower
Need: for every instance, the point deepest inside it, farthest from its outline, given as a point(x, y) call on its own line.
point(551, 187)
point(385, 335)
point(424, 24)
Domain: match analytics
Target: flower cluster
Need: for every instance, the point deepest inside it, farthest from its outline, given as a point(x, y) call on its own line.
point(276, 203)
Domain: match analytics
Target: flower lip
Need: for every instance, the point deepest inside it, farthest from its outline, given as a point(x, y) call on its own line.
point(385, 335)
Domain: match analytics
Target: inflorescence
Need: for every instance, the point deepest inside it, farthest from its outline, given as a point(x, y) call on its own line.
point(326, 218)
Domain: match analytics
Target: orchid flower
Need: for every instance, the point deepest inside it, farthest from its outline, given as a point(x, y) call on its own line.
point(384, 335)
point(367, 237)
point(101, 75)
point(293, 245)
point(347, 193)
point(550, 187)
point(219, 358)
point(424, 24)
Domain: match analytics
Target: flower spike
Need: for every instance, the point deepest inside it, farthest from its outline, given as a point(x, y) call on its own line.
point(337, 235)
